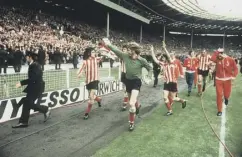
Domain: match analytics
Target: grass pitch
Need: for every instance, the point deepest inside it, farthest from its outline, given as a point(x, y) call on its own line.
point(186, 133)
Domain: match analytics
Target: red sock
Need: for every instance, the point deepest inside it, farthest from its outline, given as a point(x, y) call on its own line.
point(98, 99)
point(168, 105)
point(89, 107)
point(131, 117)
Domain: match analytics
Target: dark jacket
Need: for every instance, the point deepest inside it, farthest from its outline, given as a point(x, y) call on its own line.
point(35, 83)
point(75, 58)
point(240, 63)
point(3, 57)
point(41, 57)
point(57, 57)
point(156, 67)
point(18, 56)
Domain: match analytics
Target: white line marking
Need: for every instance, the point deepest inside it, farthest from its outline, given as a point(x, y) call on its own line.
point(222, 132)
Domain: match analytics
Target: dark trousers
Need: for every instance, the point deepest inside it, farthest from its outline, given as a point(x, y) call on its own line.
point(156, 74)
point(28, 104)
point(190, 80)
point(111, 63)
point(100, 64)
point(17, 68)
point(57, 66)
point(4, 67)
point(75, 66)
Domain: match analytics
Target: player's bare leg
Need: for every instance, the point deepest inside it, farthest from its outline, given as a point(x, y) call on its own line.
point(166, 97)
point(177, 99)
point(125, 100)
point(90, 103)
point(98, 99)
point(132, 111)
point(200, 79)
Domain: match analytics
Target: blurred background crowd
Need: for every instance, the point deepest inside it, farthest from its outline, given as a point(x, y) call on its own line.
point(58, 40)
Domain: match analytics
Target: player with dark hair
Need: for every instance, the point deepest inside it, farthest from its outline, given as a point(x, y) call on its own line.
point(190, 63)
point(35, 88)
point(134, 64)
point(203, 71)
point(90, 66)
point(171, 73)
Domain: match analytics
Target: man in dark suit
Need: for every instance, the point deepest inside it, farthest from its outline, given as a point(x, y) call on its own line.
point(3, 60)
point(18, 56)
point(57, 59)
point(156, 70)
point(41, 57)
point(75, 59)
point(35, 88)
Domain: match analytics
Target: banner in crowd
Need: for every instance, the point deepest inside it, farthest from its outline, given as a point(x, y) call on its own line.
point(9, 108)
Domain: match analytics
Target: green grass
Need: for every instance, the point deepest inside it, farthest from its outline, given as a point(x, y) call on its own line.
point(54, 79)
point(184, 134)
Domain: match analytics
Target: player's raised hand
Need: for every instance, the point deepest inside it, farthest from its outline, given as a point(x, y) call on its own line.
point(18, 85)
point(106, 41)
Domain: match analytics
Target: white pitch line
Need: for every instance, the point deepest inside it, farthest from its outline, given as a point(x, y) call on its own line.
point(222, 132)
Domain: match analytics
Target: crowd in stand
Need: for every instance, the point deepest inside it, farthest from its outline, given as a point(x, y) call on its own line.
point(58, 40)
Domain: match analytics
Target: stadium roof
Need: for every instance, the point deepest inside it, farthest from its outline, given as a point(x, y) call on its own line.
point(228, 10)
point(223, 15)
point(209, 15)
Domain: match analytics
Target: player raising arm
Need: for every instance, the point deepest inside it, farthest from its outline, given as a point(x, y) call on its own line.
point(90, 66)
point(171, 74)
point(134, 64)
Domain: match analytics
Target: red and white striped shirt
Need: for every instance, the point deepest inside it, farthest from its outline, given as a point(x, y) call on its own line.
point(107, 52)
point(123, 68)
point(91, 69)
point(171, 72)
point(203, 62)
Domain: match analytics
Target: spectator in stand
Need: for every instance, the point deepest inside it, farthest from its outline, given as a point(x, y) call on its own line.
point(41, 57)
point(57, 58)
point(18, 57)
point(3, 59)
point(75, 59)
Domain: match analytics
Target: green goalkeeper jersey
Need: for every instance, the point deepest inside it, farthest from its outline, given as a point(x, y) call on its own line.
point(133, 66)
